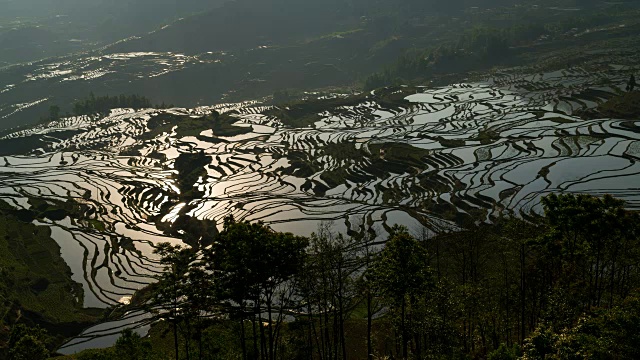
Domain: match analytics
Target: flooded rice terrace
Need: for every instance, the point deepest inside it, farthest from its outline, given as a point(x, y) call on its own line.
point(478, 148)
point(26, 88)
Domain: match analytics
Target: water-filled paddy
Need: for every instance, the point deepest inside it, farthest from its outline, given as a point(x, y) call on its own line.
point(461, 150)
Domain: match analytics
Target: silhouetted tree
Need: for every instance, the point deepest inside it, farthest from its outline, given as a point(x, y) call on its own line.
point(255, 264)
point(130, 346)
point(54, 112)
point(169, 294)
point(27, 343)
point(402, 277)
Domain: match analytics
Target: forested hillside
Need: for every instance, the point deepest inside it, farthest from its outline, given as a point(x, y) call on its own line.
point(245, 24)
point(547, 287)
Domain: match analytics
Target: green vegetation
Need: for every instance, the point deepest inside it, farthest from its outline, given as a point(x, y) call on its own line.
point(558, 286)
point(130, 346)
point(344, 153)
point(221, 124)
point(35, 282)
point(487, 136)
point(28, 343)
point(255, 264)
point(299, 113)
point(563, 285)
point(397, 157)
point(302, 113)
point(103, 104)
point(403, 280)
point(626, 106)
point(20, 145)
point(191, 167)
point(502, 36)
point(195, 233)
point(342, 43)
point(602, 334)
point(450, 143)
point(476, 49)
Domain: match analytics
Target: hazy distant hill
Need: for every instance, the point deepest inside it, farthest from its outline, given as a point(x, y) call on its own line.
point(30, 43)
point(243, 24)
point(33, 29)
point(248, 23)
point(247, 49)
point(100, 8)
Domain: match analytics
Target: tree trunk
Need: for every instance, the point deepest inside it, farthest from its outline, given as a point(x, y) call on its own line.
point(175, 338)
point(612, 277)
point(310, 316)
point(175, 324)
point(187, 340)
point(405, 340)
point(369, 323)
point(341, 314)
point(336, 336)
point(255, 331)
point(522, 295)
point(270, 327)
point(279, 321)
point(263, 338)
point(200, 341)
point(243, 340)
point(327, 339)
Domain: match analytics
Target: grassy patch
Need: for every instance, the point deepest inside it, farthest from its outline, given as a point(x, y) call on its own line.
point(399, 158)
point(561, 120)
point(399, 153)
point(190, 168)
point(35, 282)
point(306, 112)
point(626, 106)
point(221, 124)
point(451, 143)
point(97, 224)
point(486, 137)
point(21, 145)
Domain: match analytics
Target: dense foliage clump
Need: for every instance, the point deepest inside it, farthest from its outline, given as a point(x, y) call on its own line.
point(559, 286)
point(35, 283)
point(101, 104)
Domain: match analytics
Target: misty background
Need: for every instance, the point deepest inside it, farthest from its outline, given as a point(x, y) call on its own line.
point(196, 52)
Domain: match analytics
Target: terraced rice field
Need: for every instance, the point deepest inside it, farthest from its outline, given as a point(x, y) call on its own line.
point(432, 159)
point(28, 89)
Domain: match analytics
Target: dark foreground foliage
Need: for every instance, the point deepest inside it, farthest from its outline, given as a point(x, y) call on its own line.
point(36, 288)
point(559, 286)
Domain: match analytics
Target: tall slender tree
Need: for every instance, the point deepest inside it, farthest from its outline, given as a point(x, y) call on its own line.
point(169, 294)
point(402, 276)
point(254, 265)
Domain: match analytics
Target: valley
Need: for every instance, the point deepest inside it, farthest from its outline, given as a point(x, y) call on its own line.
point(373, 115)
point(431, 158)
